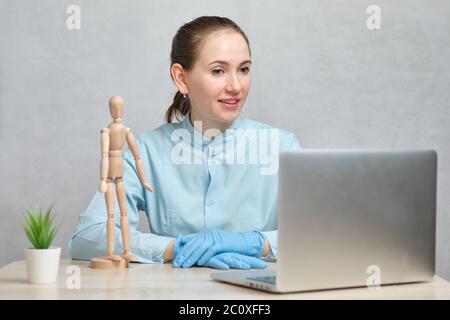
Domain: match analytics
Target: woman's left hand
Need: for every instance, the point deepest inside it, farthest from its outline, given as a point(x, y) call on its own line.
point(227, 260)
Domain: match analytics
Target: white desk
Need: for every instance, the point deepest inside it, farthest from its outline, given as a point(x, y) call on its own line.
point(161, 281)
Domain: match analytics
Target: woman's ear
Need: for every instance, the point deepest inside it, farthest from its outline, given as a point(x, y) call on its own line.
point(179, 76)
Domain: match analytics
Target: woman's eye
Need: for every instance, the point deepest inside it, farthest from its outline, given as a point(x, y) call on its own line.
point(217, 72)
point(245, 70)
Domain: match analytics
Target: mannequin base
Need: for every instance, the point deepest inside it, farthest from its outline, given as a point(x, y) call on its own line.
point(102, 263)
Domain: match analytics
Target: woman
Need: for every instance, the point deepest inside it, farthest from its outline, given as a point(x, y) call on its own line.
point(214, 173)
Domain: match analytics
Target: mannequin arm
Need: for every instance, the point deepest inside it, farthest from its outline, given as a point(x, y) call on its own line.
point(137, 158)
point(104, 162)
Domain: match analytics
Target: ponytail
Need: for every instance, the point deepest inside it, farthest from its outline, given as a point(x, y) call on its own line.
point(180, 107)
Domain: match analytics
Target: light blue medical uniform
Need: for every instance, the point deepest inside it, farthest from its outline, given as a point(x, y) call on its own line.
point(228, 182)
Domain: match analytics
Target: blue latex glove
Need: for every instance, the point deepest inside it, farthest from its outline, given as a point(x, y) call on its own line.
point(201, 247)
point(227, 260)
point(180, 242)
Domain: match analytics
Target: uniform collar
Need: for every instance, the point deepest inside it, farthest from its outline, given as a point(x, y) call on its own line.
point(200, 140)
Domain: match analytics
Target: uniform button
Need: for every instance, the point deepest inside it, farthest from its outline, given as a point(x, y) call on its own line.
point(211, 202)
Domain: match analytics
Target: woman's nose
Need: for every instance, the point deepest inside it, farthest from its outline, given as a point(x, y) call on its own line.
point(234, 85)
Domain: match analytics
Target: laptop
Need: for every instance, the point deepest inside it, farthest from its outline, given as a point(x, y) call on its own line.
point(350, 218)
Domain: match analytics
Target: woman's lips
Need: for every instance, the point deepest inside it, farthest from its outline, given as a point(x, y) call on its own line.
point(230, 103)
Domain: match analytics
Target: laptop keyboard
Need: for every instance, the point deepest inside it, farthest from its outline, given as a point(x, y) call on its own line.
point(265, 279)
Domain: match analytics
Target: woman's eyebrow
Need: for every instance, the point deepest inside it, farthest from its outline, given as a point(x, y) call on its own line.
point(226, 63)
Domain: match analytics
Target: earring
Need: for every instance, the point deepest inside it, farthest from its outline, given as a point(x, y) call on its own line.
point(184, 95)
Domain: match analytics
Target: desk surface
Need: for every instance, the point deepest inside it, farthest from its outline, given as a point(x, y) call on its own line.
point(162, 281)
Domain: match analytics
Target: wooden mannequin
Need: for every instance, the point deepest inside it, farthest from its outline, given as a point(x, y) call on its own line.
point(113, 139)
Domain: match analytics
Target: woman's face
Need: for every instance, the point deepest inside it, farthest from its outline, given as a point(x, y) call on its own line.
point(219, 81)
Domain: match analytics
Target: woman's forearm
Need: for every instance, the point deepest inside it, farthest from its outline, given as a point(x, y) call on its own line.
point(266, 250)
point(168, 253)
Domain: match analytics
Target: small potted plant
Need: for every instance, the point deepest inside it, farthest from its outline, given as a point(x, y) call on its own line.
point(42, 259)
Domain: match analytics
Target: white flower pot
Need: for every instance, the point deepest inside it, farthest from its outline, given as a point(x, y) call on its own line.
point(42, 264)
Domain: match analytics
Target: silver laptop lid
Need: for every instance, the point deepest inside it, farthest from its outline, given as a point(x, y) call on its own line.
point(354, 217)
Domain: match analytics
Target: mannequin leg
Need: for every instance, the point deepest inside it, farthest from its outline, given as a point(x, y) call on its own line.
point(124, 224)
point(110, 224)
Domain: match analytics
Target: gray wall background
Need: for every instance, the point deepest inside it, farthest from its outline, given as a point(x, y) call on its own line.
point(318, 71)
